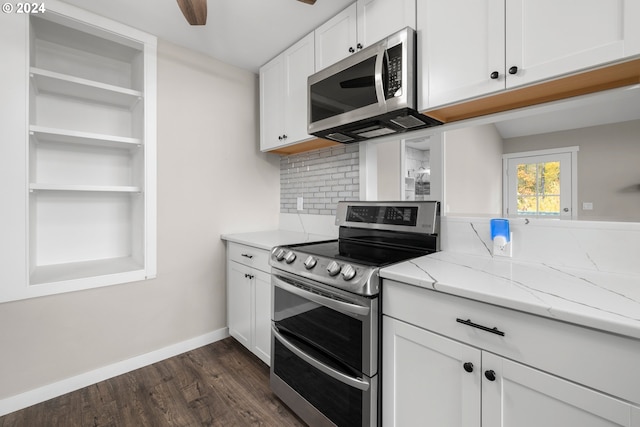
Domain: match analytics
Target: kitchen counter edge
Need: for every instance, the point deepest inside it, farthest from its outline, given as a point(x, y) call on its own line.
point(605, 301)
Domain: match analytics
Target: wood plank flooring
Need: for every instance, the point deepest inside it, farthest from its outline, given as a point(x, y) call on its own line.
point(221, 384)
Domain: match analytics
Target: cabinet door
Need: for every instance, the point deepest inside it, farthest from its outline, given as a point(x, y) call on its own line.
point(13, 154)
point(272, 103)
point(299, 64)
point(524, 397)
point(378, 19)
point(239, 302)
point(425, 382)
point(262, 310)
point(458, 52)
point(547, 38)
point(336, 38)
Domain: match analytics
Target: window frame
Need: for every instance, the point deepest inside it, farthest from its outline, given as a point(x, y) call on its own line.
point(554, 152)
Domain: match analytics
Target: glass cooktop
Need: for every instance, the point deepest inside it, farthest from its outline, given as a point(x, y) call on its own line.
point(360, 253)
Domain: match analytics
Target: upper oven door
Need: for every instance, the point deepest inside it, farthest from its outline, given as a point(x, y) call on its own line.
point(333, 324)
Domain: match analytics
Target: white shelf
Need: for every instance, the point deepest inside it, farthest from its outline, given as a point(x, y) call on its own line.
point(94, 188)
point(66, 85)
point(83, 269)
point(47, 134)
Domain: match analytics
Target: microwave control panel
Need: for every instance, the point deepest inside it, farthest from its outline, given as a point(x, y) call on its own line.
point(394, 72)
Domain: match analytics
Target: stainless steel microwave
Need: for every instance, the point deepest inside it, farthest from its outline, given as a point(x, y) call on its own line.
point(369, 94)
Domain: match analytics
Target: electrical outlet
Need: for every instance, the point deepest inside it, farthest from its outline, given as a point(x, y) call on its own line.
point(503, 248)
point(300, 203)
point(587, 206)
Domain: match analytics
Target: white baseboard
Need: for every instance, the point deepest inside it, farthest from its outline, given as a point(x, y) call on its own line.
point(41, 394)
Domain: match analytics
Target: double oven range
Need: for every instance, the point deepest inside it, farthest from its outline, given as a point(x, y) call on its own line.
point(326, 320)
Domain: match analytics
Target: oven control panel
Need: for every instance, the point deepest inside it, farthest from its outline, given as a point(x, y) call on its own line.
point(359, 279)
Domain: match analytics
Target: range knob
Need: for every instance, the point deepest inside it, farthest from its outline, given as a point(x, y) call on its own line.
point(279, 254)
point(310, 262)
point(333, 268)
point(348, 272)
point(290, 257)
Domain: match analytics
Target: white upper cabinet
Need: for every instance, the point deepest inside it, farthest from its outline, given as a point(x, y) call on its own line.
point(272, 103)
point(547, 38)
point(459, 50)
point(379, 18)
point(283, 96)
point(501, 44)
point(337, 38)
point(299, 64)
point(358, 26)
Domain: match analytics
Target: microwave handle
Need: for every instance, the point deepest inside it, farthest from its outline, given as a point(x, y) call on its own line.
point(382, 52)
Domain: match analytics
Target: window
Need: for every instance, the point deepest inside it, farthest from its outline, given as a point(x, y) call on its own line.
point(540, 183)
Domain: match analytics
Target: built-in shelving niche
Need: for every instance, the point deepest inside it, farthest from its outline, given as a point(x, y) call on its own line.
point(86, 154)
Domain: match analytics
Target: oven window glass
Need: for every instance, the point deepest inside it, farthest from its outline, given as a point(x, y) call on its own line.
point(330, 331)
point(339, 402)
point(344, 91)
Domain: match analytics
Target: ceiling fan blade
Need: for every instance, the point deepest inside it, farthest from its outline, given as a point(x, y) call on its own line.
point(308, 1)
point(195, 11)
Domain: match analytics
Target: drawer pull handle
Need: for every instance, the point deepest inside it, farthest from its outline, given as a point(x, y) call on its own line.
point(247, 256)
point(468, 322)
point(248, 276)
point(490, 375)
point(468, 366)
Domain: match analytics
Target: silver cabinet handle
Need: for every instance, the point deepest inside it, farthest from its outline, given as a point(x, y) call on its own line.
point(358, 383)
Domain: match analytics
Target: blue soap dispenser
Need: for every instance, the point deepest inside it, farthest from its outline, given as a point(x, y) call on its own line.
point(501, 237)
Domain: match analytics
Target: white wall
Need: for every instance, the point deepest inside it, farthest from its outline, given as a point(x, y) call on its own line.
point(608, 166)
point(389, 172)
point(473, 171)
point(212, 179)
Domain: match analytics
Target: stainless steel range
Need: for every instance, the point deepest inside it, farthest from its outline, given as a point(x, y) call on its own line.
point(325, 349)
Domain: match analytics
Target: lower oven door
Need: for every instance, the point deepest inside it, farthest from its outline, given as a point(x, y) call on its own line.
point(319, 341)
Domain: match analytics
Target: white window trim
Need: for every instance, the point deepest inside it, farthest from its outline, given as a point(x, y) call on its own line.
point(573, 150)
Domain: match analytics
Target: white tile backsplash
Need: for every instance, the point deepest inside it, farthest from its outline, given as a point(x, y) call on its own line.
point(321, 177)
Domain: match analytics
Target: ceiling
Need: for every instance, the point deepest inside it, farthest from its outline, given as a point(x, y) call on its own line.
point(607, 107)
point(244, 33)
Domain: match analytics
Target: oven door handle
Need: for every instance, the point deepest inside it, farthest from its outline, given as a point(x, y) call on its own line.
point(358, 383)
point(341, 306)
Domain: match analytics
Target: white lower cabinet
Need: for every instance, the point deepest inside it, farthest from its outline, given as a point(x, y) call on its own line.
point(249, 298)
point(525, 397)
point(438, 371)
point(424, 380)
point(432, 380)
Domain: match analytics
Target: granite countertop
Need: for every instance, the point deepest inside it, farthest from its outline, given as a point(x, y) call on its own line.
point(600, 300)
point(270, 238)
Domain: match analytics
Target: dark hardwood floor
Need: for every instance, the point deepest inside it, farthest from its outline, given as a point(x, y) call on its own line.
point(221, 384)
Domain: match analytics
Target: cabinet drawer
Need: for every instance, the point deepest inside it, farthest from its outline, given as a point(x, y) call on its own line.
point(594, 358)
point(248, 255)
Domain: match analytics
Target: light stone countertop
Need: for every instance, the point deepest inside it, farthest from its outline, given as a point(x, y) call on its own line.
point(591, 298)
point(270, 238)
